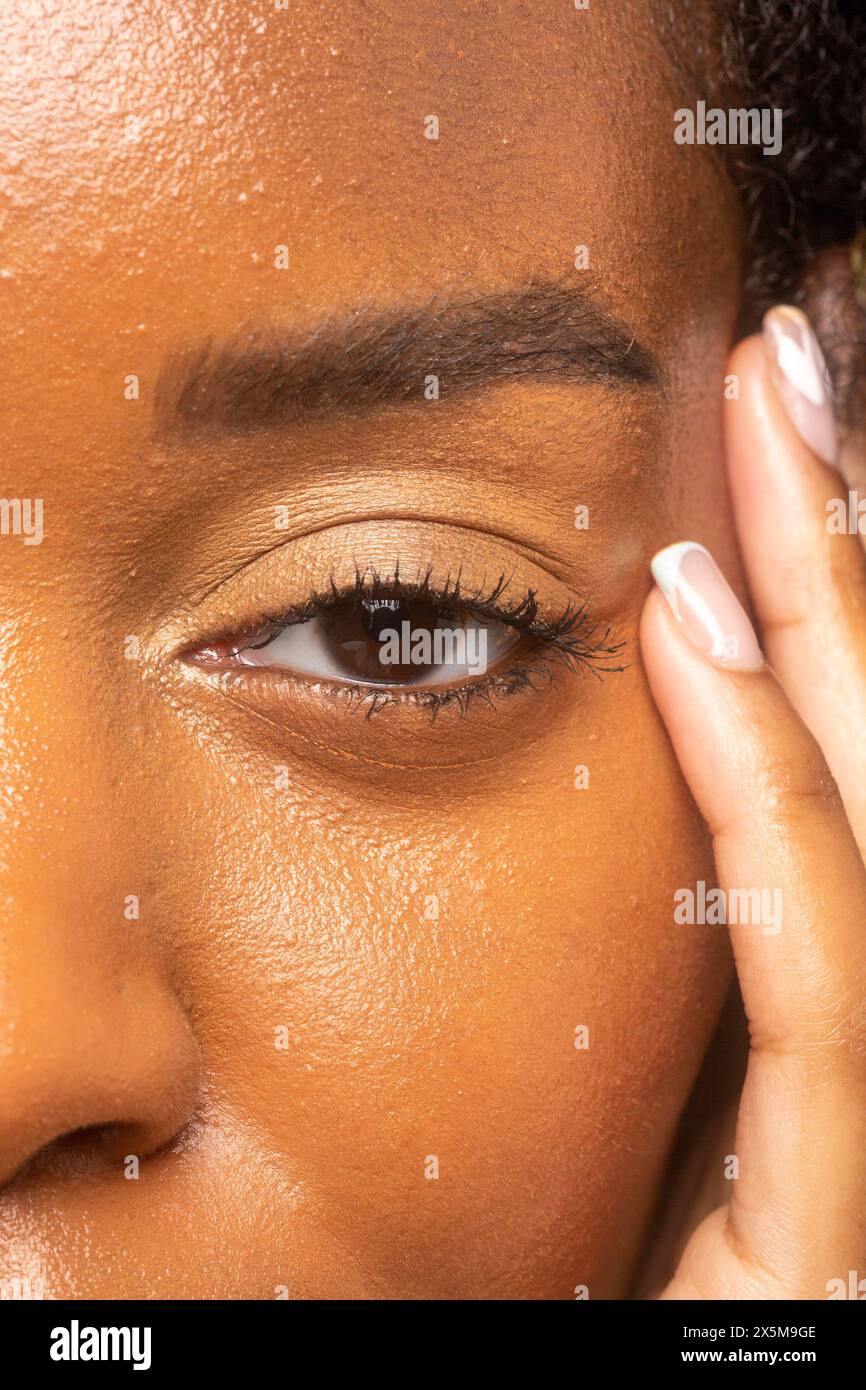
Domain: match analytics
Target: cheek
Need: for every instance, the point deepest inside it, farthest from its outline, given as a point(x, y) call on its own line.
point(457, 1017)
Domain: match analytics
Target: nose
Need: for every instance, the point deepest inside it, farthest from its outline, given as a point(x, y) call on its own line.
point(97, 1056)
point(106, 1060)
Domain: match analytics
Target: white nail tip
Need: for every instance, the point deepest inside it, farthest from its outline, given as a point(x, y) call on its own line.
point(801, 379)
point(666, 565)
point(800, 361)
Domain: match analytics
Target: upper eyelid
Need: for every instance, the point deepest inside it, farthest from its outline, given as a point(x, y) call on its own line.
point(533, 554)
point(298, 578)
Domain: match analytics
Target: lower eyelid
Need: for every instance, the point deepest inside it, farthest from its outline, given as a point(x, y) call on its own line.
point(355, 737)
point(374, 699)
point(533, 677)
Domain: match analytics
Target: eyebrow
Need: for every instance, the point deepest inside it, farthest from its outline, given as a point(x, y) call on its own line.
point(267, 376)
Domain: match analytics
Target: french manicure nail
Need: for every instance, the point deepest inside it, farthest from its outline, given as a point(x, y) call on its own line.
point(706, 606)
point(801, 378)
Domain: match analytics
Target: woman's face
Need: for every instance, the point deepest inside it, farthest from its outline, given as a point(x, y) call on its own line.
point(385, 1004)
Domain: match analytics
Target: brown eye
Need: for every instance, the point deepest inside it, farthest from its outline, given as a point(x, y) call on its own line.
point(385, 641)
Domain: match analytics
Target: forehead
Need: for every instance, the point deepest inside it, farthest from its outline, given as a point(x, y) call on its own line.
point(176, 172)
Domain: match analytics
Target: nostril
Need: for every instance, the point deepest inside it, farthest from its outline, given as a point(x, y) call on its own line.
point(80, 1150)
point(126, 1083)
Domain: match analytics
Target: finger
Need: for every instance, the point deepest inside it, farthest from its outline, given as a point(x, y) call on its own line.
point(792, 875)
point(807, 577)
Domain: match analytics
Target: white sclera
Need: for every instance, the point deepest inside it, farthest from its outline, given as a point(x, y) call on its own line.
point(305, 649)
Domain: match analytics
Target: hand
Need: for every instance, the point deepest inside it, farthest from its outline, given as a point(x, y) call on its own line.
point(774, 752)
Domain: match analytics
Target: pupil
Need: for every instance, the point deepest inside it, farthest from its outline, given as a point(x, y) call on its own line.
point(378, 614)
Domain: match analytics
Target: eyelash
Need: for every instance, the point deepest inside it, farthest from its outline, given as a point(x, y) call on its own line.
point(571, 639)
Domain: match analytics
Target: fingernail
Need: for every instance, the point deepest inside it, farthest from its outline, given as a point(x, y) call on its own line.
point(703, 602)
point(801, 378)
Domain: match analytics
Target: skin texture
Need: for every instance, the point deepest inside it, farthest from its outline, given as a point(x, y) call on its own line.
point(285, 850)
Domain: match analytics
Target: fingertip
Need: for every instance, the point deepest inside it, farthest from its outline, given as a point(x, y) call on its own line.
point(778, 393)
point(801, 379)
point(704, 607)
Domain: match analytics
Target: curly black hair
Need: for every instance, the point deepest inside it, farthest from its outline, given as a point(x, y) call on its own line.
point(806, 58)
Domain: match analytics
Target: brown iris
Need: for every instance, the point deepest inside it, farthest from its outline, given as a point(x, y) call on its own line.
point(366, 635)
